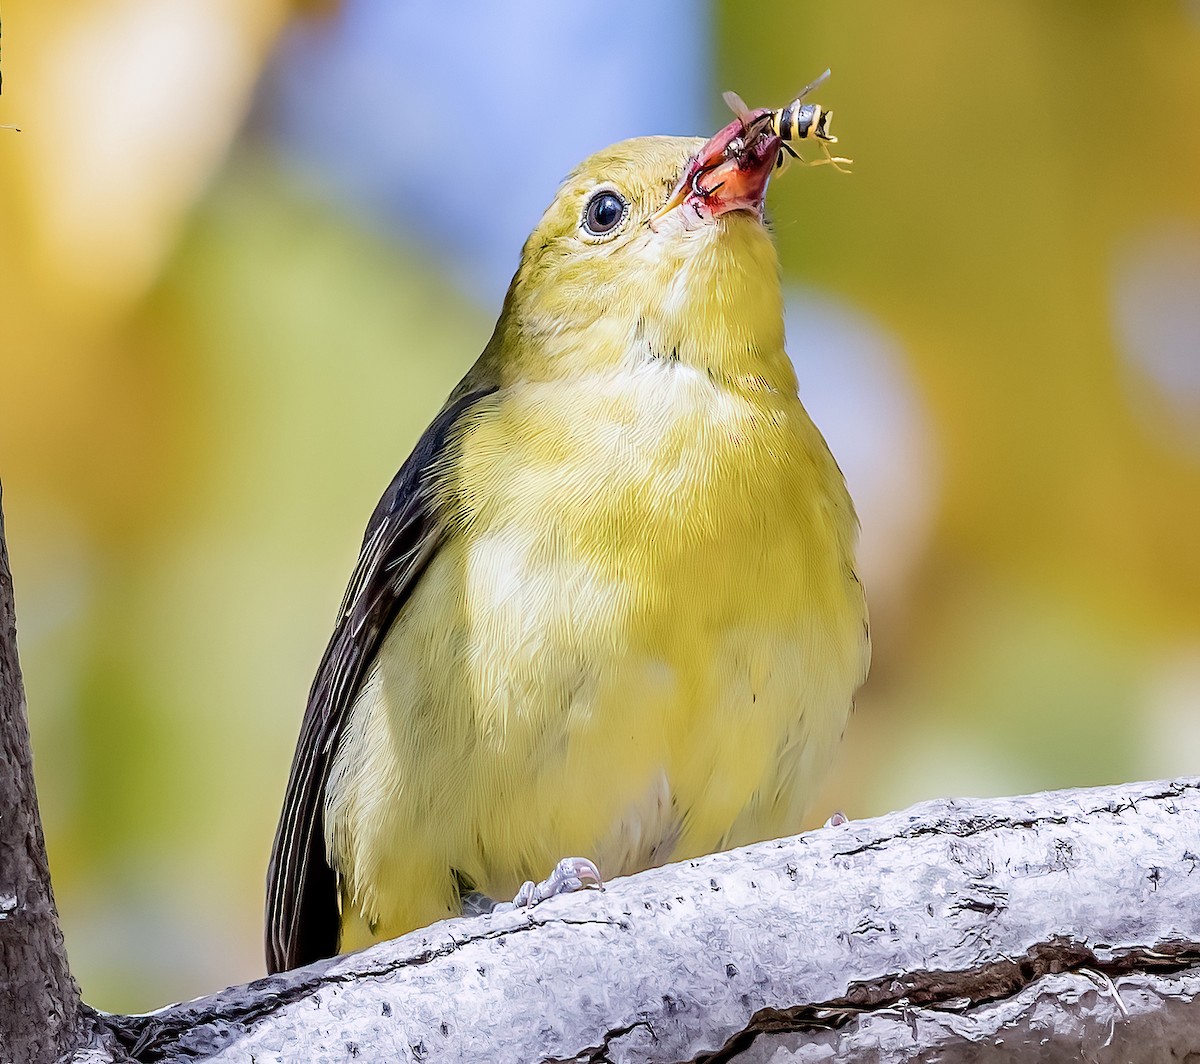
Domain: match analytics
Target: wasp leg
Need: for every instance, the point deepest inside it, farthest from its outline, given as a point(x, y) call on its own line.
point(833, 160)
point(829, 160)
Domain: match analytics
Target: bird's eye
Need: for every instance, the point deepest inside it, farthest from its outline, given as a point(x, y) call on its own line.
point(604, 212)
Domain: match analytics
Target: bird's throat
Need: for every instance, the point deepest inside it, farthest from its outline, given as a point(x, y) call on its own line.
point(721, 307)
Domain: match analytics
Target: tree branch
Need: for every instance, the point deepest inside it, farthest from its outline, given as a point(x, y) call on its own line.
point(1039, 928)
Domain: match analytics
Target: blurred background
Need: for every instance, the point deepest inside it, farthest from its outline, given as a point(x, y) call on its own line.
point(246, 248)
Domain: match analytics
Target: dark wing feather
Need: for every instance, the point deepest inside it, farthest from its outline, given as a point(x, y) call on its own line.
point(302, 919)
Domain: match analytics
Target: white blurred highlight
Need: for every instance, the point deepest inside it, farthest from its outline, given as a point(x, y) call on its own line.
point(1171, 715)
point(1156, 308)
point(132, 107)
point(854, 382)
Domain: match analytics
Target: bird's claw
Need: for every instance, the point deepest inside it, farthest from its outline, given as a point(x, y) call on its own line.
point(569, 875)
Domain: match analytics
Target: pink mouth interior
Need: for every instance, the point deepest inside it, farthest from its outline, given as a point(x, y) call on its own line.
point(731, 171)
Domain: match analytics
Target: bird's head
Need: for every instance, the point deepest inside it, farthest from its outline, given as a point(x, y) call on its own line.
point(654, 248)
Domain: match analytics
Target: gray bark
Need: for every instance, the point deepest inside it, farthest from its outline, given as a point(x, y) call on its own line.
point(39, 1001)
point(1059, 926)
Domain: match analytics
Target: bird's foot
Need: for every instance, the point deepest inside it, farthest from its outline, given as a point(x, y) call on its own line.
point(569, 875)
point(476, 904)
point(836, 820)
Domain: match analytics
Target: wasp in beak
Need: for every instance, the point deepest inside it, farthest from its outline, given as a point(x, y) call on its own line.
point(731, 171)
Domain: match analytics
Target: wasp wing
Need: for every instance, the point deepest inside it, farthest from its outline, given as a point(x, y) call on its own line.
point(813, 84)
point(737, 105)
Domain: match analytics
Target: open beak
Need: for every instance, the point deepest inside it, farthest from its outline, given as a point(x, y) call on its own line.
point(729, 173)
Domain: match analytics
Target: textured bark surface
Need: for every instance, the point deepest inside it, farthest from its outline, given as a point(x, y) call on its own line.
point(39, 1002)
point(1061, 926)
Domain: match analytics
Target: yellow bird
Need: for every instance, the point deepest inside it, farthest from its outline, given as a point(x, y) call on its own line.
point(608, 606)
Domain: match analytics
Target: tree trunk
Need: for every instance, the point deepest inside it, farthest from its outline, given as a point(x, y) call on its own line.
point(1060, 926)
point(39, 1001)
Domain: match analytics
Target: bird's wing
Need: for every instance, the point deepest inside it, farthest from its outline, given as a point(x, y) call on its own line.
point(302, 918)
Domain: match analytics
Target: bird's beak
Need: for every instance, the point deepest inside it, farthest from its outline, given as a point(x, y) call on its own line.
point(729, 173)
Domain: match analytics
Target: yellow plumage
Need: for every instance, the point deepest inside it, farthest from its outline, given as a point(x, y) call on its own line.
point(640, 639)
